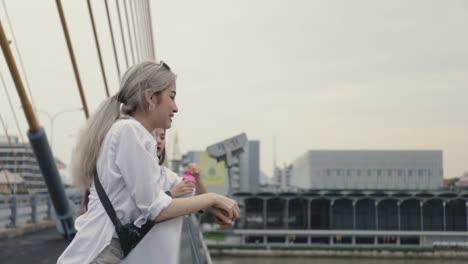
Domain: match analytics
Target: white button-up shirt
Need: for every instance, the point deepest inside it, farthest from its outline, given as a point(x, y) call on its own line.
point(129, 172)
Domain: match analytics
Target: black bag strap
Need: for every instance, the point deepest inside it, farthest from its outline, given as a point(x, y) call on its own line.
point(106, 202)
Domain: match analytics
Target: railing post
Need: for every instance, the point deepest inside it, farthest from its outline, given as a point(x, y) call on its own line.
point(265, 220)
point(354, 214)
point(286, 214)
point(399, 215)
point(49, 208)
point(34, 208)
point(14, 211)
point(309, 201)
point(466, 205)
point(243, 214)
point(376, 204)
point(421, 206)
point(444, 204)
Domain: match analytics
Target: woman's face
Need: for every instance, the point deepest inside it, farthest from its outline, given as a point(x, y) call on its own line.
point(160, 139)
point(165, 107)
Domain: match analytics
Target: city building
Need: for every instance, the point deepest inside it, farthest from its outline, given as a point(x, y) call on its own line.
point(11, 183)
point(19, 159)
point(358, 198)
point(249, 164)
point(214, 174)
point(243, 178)
point(463, 181)
point(368, 170)
point(281, 180)
point(354, 217)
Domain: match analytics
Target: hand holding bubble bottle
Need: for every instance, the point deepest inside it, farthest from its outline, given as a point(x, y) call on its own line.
point(188, 177)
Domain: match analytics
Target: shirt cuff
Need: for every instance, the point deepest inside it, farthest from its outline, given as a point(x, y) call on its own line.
point(162, 202)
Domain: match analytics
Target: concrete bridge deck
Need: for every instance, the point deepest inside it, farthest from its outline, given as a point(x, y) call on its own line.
point(43, 246)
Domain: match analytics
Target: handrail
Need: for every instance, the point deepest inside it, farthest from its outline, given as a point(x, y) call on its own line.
point(13, 213)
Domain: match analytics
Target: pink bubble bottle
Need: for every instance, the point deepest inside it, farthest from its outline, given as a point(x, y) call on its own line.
point(188, 177)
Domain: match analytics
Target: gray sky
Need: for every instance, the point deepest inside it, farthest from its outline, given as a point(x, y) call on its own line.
point(312, 74)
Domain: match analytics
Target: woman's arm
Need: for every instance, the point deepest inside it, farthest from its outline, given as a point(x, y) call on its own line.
point(183, 206)
point(141, 174)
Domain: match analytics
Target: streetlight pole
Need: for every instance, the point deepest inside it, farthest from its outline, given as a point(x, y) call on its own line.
point(52, 120)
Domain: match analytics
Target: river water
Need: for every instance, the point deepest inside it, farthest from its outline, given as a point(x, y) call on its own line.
point(314, 260)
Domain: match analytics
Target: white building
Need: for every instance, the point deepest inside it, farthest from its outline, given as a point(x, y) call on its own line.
point(19, 158)
point(250, 167)
point(11, 183)
point(281, 180)
point(369, 170)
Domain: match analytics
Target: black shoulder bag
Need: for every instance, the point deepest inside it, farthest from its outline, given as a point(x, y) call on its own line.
point(129, 234)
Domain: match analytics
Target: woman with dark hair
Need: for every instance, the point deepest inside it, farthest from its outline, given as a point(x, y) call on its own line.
point(178, 187)
point(175, 185)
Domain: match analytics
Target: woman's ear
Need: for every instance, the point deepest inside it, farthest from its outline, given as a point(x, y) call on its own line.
point(148, 96)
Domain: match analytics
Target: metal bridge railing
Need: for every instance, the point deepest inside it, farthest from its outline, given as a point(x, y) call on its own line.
point(22, 209)
point(19, 210)
point(192, 238)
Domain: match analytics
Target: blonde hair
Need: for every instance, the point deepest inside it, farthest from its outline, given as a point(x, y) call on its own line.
point(138, 78)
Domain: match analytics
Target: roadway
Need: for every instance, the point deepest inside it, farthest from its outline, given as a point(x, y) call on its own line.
point(39, 247)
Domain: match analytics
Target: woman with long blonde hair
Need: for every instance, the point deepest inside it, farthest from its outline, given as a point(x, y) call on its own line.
point(117, 147)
